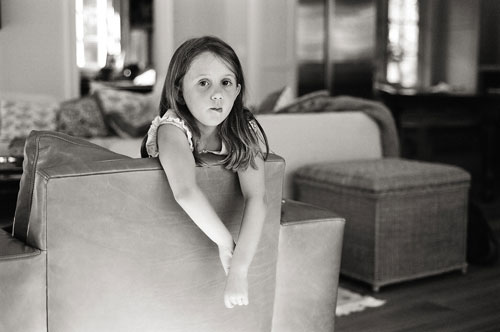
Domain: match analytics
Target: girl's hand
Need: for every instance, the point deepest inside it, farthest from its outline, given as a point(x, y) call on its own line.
point(236, 291)
point(225, 255)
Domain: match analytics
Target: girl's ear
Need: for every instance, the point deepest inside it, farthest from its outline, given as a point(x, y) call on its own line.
point(238, 89)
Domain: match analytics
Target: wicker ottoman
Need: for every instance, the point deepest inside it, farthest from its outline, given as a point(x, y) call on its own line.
point(404, 219)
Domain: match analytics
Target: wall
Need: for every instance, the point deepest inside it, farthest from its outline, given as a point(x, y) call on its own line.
point(163, 32)
point(274, 47)
point(36, 56)
point(261, 32)
point(37, 42)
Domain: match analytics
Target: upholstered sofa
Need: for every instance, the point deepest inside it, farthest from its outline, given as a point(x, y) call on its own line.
point(313, 129)
point(310, 129)
point(109, 116)
point(344, 133)
point(99, 244)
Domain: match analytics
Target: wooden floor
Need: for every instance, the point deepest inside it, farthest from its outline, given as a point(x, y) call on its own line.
point(449, 302)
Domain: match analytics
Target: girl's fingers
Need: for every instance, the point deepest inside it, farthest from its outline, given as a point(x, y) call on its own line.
point(228, 303)
point(239, 301)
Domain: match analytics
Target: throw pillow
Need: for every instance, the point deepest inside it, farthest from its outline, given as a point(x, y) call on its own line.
point(81, 117)
point(274, 99)
point(18, 118)
point(311, 102)
point(46, 149)
point(16, 148)
point(127, 113)
point(286, 98)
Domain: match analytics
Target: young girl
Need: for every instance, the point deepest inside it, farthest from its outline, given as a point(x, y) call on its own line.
point(202, 116)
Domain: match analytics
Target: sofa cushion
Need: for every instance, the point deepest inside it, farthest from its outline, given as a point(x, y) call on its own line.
point(312, 138)
point(18, 118)
point(81, 117)
point(46, 149)
point(16, 148)
point(129, 114)
point(311, 102)
point(275, 100)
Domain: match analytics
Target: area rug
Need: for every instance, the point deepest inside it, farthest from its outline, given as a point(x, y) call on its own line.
point(349, 302)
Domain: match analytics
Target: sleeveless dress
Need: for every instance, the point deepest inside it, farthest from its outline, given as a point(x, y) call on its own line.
point(171, 118)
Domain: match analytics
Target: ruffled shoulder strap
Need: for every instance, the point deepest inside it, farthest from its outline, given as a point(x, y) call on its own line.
point(171, 118)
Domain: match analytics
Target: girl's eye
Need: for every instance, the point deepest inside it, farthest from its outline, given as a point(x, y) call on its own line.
point(227, 82)
point(203, 83)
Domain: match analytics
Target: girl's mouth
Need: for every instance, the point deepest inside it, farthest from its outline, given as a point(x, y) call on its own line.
point(216, 109)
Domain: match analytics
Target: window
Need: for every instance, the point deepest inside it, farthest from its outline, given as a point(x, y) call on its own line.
point(402, 43)
point(97, 32)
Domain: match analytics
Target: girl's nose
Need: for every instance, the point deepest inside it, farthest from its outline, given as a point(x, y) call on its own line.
point(217, 96)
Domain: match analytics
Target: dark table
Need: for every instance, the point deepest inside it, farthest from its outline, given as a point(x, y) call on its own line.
point(10, 176)
point(451, 110)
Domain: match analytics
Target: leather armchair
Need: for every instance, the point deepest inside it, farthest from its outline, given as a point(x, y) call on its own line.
point(105, 247)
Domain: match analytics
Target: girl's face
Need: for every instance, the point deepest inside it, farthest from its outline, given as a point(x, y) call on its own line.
point(209, 89)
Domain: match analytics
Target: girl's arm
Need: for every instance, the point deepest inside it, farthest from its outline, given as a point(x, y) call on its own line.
point(252, 182)
point(179, 166)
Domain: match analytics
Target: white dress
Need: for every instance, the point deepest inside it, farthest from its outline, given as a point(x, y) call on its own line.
point(171, 118)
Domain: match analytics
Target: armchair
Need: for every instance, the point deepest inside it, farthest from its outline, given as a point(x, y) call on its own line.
point(101, 245)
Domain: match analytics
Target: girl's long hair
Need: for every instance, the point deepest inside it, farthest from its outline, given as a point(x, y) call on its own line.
point(240, 132)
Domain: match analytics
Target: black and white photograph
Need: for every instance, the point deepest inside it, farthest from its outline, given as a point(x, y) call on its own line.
point(249, 165)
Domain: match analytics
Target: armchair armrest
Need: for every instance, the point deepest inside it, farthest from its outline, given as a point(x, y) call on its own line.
point(310, 247)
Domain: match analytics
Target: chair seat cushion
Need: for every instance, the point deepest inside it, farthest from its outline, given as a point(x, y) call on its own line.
point(383, 175)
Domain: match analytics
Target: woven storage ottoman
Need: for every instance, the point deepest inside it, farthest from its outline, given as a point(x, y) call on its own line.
point(404, 219)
